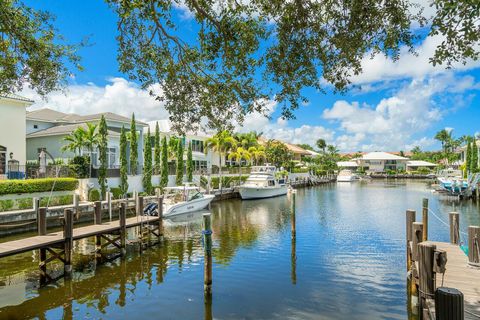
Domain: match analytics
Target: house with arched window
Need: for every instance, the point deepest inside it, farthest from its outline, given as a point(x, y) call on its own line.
point(12, 133)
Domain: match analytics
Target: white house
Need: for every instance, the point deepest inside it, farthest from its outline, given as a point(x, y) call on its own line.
point(413, 165)
point(12, 133)
point(384, 161)
point(46, 130)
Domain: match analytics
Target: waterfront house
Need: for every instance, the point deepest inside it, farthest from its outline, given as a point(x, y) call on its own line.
point(414, 165)
point(382, 162)
point(12, 134)
point(463, 152)
point(46, 130)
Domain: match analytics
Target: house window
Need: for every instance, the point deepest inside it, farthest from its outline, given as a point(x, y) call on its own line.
point(3, 160)
point(35, 126)
point(111, 156)
point(197, 146)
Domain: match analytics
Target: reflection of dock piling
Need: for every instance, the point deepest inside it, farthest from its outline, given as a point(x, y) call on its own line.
point(294, 239)
point(433, 277)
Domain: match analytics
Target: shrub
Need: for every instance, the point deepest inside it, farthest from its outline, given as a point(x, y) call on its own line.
point(94, 195)
point(56, 201)
point(37, 185)
point(26, 203)
point(226, 181)
point(6, 205)
point(80, 166)
point(117, 193)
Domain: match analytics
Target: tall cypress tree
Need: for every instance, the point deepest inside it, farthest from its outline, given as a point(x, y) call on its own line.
point(102, 150)
point(179, 178)
point(147, 164)
point(468, 158)
point(133, 147)
point(123, 163)
point(474, 161)
point(157, 151)
point(164, 177)
point(189, 163)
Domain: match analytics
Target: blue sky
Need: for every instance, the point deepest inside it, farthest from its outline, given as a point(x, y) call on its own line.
point(394, 106)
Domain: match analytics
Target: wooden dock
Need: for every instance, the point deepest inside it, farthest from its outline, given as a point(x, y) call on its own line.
point(446, 280)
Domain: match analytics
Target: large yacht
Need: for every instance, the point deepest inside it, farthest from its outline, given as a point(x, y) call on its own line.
point(263, 183)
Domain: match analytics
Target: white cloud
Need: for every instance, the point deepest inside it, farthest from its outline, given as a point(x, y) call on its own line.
point(119, 96)
point(394, 122)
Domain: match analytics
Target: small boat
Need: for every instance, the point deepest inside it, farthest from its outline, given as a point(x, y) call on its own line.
point(181, 200)
point(347, 176)
point(452, 181)
point(263, 183)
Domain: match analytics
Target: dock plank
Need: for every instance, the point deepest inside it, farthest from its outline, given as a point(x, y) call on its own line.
point(37, 242)
point(461, 276)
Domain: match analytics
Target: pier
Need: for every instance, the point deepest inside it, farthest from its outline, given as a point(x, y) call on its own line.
point(446, 279)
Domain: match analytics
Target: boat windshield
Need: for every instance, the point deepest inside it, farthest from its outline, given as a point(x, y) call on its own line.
point(195, 195)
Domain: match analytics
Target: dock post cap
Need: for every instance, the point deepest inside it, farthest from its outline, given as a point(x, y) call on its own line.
point(206, 214)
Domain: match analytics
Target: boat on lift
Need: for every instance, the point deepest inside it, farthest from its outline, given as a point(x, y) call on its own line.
point(347, 176)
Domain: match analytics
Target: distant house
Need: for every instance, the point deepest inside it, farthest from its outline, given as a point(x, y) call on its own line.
point(46, 130)
point(349, 165)
point(463, 152)
point(413, 165)
point(12, 133)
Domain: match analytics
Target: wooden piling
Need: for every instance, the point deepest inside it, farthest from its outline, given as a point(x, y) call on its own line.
point(109, 204)
point(454, 220)
point(410, 219)
point(160, 217)
point(98, 212)
point(207, 232)
point(68, 238)
point(426, 275)
point(123, 228)
point(76, 201)
point(425, 218)
point(293, 227)
point(417, 235)
point(474, 246)
point(140, 206)
point(42, 221)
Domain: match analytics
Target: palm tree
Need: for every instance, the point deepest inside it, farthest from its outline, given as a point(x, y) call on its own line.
point(221, 143)
point(257, 153)
point(321, 144)
point(91, 140)
point(332, 150)
point(444, 136)
point(76, 141)
point(239, 154)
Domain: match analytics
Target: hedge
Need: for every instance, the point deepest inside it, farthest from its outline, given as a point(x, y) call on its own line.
point(27, 203)
point(94, 195)
point(227, 181)
point(37, 185)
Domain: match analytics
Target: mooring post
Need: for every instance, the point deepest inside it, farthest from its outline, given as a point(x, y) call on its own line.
point(410, 215)
point(425, 219)
point(453, 217)
point(35, 205)
point(68, 238)
point(140, 206)
point(294, 227)
point(160, 217)
point(449, 304)
point(207, 232)
point(76, 201)
point(417, 235)
point(426, 253)
point(109, 204)
point(123, 228)
point(42, 221)
point(98, 212)
point(474, 246)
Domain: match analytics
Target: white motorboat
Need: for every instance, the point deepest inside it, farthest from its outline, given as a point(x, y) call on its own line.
point(346, 176)
point(184, 199)
point(263, 183)
point(452, 180)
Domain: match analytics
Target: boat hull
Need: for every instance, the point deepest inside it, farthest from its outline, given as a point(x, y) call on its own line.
point(189, 206)
point(346, 178)
point(253, 192)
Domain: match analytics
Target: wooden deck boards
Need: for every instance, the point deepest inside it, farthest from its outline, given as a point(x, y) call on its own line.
point(462, 277)
point(37, 242)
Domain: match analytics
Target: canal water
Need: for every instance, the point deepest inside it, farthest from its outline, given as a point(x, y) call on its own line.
point(346, 262)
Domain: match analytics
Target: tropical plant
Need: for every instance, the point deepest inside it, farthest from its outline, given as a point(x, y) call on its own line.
point(164, 175)
point(133, 146)
point(147, 164)
point(445, 137)
point(474, 159)
point(239, 154)
point(247, 140)
point(222, 142)
point(75, 140)
point(189, 163)
point(91, 139)
point(321, 144)
point(123, 163)
point(102, 152)
point(257, 154)
point(157, 150)
point(278, 154)
point(179, 176)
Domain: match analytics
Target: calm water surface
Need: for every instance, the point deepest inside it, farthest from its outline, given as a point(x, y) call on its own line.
point(347, 262)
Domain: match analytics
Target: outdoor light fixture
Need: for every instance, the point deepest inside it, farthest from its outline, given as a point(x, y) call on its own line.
point(11, 155)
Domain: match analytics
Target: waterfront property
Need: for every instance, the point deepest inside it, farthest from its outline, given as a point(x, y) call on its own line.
point(46, 130)
point(12, 134)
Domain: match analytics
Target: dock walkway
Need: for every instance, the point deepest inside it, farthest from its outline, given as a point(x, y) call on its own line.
point(461, 276)
point(37, 242)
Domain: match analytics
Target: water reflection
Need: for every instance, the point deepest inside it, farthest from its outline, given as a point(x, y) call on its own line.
point(341, 255)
